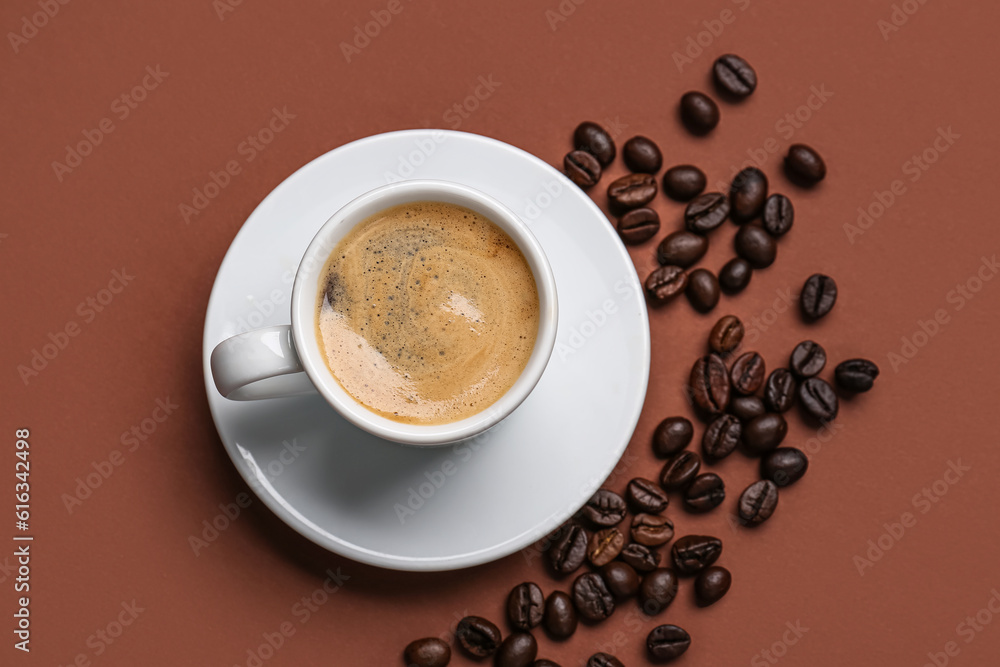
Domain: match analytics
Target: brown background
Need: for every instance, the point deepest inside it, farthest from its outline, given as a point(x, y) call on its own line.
point(611, 62)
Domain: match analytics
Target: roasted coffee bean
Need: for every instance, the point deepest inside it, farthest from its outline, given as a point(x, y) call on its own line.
point(657, 590)
point(735, 275)
point(604, 660)
point(693, 553)
point(709, 384)
point(672, 435)
point(747, 195)
point(582, 168)
point(699, 112)
point(604, 546)
point(721, 437)
point(666, 282)
point(756, 246)
point(706, 212)
point(519, 649)
point(764, 433)
point(569, 549)
point(758, 502)
point(856, 375)
point(632, 190)
point(542, 662)
point(560, 615)
point(639, 225)
point(667, 642)
point(747, 374)
point(746, 408)
point(711, 584)
point(779, 390)
point(706, 492)
point(594, 139)
point(779, 214)
point(651, 530)
point(592, 598)
point(640, 557)
point(804, 166)
point(428, 652)
point(621, 578)
point(680, 471)
point(684, 182)
point(702, 290)
point(682, 248)
point(808, 359)
point(818, 399)
point(784, 466)
point(642, 155)
point(525, 606)
point(646, 496)
point(734, 76)
point(605, 509)
point(480, 638)
point(726, 335)
point(818, 296)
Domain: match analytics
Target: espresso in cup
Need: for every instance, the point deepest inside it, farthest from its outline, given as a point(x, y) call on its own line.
point(427, 313)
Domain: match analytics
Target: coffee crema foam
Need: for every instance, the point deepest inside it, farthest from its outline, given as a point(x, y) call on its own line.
point(427, 313)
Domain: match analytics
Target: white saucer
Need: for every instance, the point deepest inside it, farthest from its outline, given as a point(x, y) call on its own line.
point(445, 508)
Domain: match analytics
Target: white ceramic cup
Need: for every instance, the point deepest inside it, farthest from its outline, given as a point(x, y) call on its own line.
point(266, 363)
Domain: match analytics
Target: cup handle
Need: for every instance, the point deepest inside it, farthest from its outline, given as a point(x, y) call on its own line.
point(259, 364)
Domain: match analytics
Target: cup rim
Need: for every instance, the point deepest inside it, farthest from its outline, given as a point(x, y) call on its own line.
point(305, 289)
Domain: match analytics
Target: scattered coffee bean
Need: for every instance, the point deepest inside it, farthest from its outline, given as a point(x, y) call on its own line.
point(672, 435)
point(680, 471)
point(779, 390)
point(542, 662)
point(856, 375)
point(702, 290)
point(604, 546)
point(709, 384)
point(808, 359)
point(734, 76)
point(639, 225)
point(818, 399)
point(525, 606)
point(605, 509)
point(764, 433)
point(667, 642)
point(646, 496)
point(594, 139)
point(779, 214)
point(706, 212)
point(666, 282)
point(519, 649)
point(726, 335)
point(684, 182)
point(711, 584)
point(604, 660)
point(428, 652)
point(560, 615)
point(699, 112)
point(621, 578)
point(640, 557)
point(706, 492)
point(693, 553)
point(784, 466)
point(642, 155)
point(592, 598)
point(804, 166)
point(632, 190)
point(657, 591)
point(735, 275)
point(818, 296)
point(651, 530)
point(681, 248)
point(747, 195)
point(758, 502)
point(756, 246)
point(721, 437)
point(747, 374)
point(569, 549)
point(480, 638)
point(746, 408)
point(582, 168)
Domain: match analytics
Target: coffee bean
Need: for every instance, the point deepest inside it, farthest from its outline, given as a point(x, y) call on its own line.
point(672, 435)
point(758, 502)
point(582, 168)
point(784, 466)
point(560, 615)
point(646, 496)
point(569, 549)
point(480, 638)
point(666, 282)
point(525, 606)
point(764, 433)
point(632, 190)
point(706, 492)
point(657, 591)
point(756, 246)
point(642, 155)
point(542, 662)
point(517, 650)
point(592, 598)
point(735, 275)
point(856, 375)
point(684, 182)
point(808, 359)
point(711, 584)
point(779, 214)
point(818, 399)
point(709, 384)
point(667, 642)
point(693, 553)
point(428, 652)
point(594, 139)
point(818, 296)
point(680, 471)
point(726, 335)
point(706, 212)
point(746, 408)
point(651, 530)
point(702, 290)
point(804, 166)
point(639, 225)
point(699, 112)
point(621, 578)
point(734, 76)
point(640, 557)
point(747, 374)
point(604, 660)
point(747, 194)
point(721, 437)
point(682, 248)
point(604, 546)
point(605, 509)
point(779, 390)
